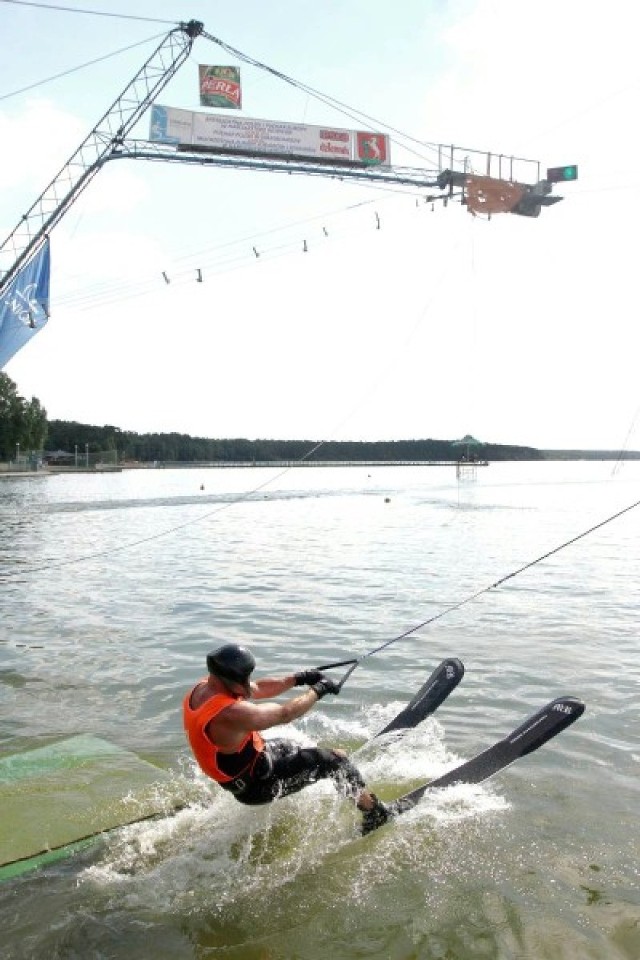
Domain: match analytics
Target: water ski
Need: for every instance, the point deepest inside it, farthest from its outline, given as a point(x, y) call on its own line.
point(537, 730)
point(431, 695)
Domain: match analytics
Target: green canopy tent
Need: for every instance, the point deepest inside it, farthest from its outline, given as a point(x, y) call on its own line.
point(469, 443)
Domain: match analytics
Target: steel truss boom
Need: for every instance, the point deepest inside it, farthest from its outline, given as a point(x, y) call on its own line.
point(104, 141)
point(400, 176)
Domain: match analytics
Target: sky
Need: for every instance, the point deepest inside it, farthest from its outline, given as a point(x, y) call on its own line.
point(397, 321)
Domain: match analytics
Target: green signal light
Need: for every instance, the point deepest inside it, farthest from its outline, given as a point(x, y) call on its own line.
point(561, 174)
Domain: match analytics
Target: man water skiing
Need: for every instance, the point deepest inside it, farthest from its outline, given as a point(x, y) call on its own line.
point(223, 724)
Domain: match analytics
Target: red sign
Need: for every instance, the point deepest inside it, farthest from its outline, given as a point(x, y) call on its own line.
point(371, 148)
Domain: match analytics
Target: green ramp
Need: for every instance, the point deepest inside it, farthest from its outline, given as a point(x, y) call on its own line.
point(55, 799)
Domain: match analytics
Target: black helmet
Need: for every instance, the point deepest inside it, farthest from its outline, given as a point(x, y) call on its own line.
point(231, 662)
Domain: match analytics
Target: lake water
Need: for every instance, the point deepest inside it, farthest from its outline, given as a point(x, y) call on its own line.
point(113, 589)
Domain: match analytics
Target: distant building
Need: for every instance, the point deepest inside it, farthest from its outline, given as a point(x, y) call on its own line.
point(59, 458)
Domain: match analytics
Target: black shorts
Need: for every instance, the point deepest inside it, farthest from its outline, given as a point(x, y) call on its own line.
point(284, 768)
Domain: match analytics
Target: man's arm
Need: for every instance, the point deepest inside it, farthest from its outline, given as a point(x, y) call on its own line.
point(272, 686)
point(243, 716)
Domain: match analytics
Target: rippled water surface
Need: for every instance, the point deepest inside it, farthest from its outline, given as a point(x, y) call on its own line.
point(114, 587)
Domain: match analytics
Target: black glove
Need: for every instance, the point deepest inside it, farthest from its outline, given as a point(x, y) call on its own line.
point(324, 686)
point(308, 677)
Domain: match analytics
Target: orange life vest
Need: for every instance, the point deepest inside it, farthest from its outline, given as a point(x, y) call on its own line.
point(204, 749)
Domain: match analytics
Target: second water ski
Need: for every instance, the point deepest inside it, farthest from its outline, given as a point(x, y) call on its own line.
point(537, 730)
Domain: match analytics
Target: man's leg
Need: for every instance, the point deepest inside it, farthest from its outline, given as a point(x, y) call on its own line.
point(293, 768)
point(374, 811)
point(285, 768)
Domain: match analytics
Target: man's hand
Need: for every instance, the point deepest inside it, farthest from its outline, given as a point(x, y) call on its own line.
point(325, 686)
point(308, 677)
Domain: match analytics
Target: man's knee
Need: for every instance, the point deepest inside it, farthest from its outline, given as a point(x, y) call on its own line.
point(333, 760)
point(332, 763)
point(342, 769)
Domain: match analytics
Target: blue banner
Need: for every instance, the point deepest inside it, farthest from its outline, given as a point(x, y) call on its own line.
point(24, 305)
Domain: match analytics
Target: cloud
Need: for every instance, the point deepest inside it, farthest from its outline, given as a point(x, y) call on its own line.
point(37, 140)
point(37, 143)
point(514, 70)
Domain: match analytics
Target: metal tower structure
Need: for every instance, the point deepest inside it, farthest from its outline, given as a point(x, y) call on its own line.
point(502, 186)
point(104, 140)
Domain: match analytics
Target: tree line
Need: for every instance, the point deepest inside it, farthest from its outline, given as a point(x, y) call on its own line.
point(182, 448)
point(23, 423)
point(24, 426)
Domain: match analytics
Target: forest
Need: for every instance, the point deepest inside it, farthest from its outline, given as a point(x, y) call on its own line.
point(181, 448)
point(24, 427)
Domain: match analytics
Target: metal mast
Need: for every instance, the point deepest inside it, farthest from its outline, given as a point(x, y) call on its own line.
point(105, 138)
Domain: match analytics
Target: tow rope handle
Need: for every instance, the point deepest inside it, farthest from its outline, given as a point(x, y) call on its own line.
point(352, 664)
point(340, 663)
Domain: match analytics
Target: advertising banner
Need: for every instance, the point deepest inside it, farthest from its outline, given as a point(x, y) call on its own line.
point(24, 305)
point(268, 138)
point(220, 87)
point(169, 125)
